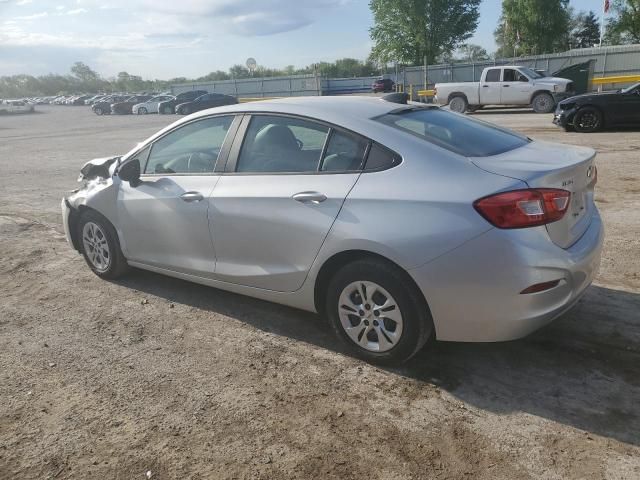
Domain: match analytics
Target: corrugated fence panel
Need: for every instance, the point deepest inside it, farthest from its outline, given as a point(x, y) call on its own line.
point(617, 60)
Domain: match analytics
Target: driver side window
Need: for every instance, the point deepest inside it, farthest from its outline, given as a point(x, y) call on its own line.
point(190, 149)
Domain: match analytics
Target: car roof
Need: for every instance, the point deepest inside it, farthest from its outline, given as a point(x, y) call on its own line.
point(336, 109)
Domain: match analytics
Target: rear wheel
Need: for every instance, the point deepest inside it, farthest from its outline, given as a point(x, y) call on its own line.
point(142, 111)
point(459, 104)
point(98, 111)
point(100, 246)
point(543, 103)
point(587, 120)
point(377, 311)
point(167, 110)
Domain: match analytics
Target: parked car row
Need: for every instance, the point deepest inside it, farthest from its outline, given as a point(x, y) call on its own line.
point(183, 104)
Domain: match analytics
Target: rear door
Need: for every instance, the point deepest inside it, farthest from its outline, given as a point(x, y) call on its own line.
point(490, 87)
point(283, 186)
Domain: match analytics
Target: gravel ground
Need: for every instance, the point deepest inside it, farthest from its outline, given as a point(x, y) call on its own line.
point(151, 374)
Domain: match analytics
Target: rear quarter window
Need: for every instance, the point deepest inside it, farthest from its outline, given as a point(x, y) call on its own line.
point(457, 133)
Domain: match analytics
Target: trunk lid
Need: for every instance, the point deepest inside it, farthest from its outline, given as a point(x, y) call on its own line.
point(549, 165)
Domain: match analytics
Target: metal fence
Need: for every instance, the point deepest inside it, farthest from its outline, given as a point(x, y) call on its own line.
point(609, 61)
point(291, 86)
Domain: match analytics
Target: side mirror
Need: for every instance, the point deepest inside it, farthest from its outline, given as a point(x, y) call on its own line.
point(130, 172)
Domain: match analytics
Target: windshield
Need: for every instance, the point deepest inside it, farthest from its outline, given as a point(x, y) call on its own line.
point(457, 133)
point(631, 88)
point(530, 73)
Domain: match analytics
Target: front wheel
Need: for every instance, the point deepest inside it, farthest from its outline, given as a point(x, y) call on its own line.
point(543, 103)
point(378, 312)
point(587, 120)
point(98, 111)
point(100, 246)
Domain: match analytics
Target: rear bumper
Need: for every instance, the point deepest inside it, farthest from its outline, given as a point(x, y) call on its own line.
point(474, 291)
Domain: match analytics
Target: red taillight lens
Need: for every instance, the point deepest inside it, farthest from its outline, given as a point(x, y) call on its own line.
point(524, 208)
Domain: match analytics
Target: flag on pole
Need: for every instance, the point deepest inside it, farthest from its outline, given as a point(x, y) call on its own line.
point(606, 6)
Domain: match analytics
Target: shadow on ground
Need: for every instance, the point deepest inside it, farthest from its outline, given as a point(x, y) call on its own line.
point(583, 370)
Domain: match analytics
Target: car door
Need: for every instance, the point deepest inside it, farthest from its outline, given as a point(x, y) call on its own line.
point(516, 88)
point(163, 220)
point(624, 108)
point(490, 87)
point(284, 184)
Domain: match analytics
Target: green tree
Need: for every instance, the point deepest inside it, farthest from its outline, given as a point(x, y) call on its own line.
point(532, 27)
point(472, 53)
point(84, 73)
point(624, 27)
point(586, 30)
point(407, 31)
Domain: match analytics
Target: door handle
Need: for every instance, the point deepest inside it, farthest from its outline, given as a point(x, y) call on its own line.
point(309, 197)
point(505, 86)
point(485, 86)
point(190, 197)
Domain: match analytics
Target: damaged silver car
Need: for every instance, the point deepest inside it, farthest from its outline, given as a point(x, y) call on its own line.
point(398, 222)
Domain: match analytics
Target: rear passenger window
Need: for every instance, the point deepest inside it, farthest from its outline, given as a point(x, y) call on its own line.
point(344, 152)
point(380, 158)
point(493, 75)
point(276, 144)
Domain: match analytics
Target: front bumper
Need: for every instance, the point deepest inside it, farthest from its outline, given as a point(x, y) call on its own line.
point(563, 118)
point(66, 214)
point(474, 291)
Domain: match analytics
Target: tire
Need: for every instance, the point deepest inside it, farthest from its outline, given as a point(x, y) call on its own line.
point(458, 104)
point(588, 120)
point(100, 247)
point(98, 111)
point(142, 111)
point(371, 332)
point(543, 103)
point(167, 110)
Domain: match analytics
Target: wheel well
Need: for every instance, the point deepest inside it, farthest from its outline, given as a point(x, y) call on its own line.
point(456, 94)
point(334, 263)
point(538, 92)
point(595, 107)
point(74, 217)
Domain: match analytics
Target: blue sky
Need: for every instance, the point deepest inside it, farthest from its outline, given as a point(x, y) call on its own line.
point(168, 38)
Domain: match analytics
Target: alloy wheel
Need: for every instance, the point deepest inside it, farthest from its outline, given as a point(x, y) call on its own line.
point(96, 246)
point(370, 316)
point(589, 121)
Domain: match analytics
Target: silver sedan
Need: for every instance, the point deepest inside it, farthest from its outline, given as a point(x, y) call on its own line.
point(398, 222)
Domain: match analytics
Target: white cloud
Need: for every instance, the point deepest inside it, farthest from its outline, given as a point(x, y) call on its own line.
point(33, 16)
point(23, 2)
point(77, 11)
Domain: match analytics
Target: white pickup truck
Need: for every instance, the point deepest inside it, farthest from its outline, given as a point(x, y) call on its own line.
point(505, 85)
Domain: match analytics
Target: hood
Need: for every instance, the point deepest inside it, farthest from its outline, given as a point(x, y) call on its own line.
point(589, 95)
point(552, 80)
point(98, 167)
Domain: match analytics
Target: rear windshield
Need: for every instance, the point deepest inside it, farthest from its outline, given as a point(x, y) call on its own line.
point(457, 133)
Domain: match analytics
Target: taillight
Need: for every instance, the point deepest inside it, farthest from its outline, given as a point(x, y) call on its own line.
point(524, 208)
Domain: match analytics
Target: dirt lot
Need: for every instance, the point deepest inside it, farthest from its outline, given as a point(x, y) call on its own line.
point(112, 380)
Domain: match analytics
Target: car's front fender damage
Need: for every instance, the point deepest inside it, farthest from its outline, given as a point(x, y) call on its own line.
point(97, 193)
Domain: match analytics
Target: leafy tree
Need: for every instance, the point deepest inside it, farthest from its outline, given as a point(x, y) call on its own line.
point(624, 27)
point(406, 31)
point(585, 31)
point(84, 72)
point(472, 53)
point(532, 27)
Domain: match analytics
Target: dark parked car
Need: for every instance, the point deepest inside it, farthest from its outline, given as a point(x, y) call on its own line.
point(125, 107)
point(594, 111)
point(103, 107)
point(170, 105)
point(208, 100)
point(383, 85)
point(80, 100)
